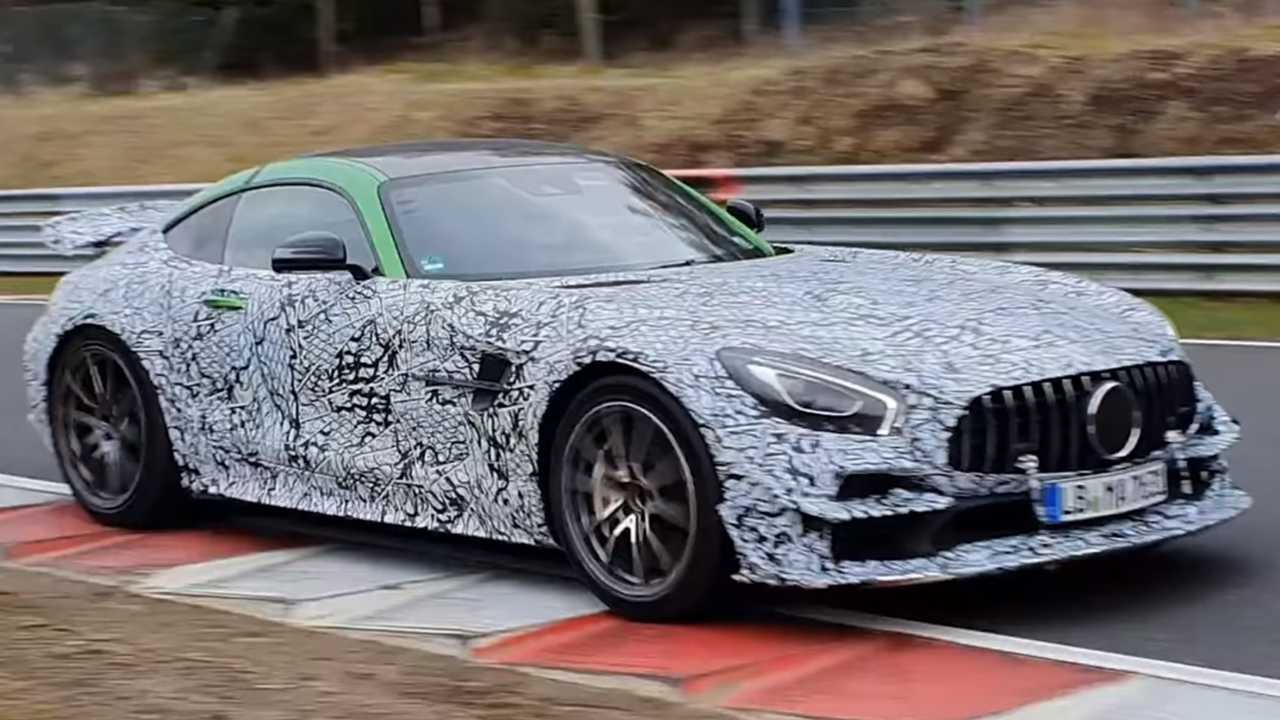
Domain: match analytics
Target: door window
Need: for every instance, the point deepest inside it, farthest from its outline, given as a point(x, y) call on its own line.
point(268, 216)
point(202, 235)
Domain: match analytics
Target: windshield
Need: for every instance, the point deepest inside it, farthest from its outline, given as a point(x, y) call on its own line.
point(562, 219)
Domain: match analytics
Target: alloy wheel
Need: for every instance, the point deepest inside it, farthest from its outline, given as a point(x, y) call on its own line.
point(101, 425)
point(630, 499)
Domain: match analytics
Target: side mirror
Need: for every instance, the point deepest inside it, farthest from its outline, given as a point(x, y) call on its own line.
point(315, 251)
point(746, 213)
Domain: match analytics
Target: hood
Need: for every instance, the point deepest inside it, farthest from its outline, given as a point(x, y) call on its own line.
point(949, 326)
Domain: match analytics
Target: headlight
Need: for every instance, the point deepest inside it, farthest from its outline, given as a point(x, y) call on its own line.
point(814, 393)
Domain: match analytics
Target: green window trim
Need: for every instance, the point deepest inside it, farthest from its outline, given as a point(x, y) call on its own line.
point(733, 222)
point(360, 184)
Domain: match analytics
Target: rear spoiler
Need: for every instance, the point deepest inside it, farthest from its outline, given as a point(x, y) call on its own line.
point(102, 227)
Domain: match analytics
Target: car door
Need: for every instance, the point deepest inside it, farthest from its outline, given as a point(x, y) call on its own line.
point(211, 306)
point(299, 389)
point(397, 405)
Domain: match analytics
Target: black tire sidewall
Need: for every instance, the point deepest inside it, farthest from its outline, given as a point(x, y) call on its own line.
point(691, 594)
point(158, 500)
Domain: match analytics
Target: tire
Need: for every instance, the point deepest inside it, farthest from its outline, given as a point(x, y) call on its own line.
point(110, 437)
point(609, 479)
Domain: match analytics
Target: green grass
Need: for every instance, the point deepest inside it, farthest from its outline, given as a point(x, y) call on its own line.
point(1227, 318)
point(1222, 317)
point(27, 284)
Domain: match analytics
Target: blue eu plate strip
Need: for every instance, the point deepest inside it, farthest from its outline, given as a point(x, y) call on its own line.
point(1051, 496)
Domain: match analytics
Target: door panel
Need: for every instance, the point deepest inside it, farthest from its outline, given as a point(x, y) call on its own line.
point(385, 395)
point(228, 343)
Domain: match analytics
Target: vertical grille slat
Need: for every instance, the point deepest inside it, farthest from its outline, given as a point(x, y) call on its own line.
point(1162, 395)
point(977, 438)
point(1011, 412)
point(1186, 394)
point(966, 442)
point(1150, 405)
point(1131, 378)
point(1168, 392)
point(1047, 418)
point(1053, 426)
point(1033, 418)
point(1074, 420)
point(1086, 459)
point(989, 444)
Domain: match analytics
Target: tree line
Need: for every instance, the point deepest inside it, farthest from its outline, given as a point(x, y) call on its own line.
point(116, 41)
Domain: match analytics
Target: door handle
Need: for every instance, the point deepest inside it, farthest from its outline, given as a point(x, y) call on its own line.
point(224, 301)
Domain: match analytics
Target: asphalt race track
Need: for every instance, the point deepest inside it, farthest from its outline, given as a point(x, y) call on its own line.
point(1211, 600)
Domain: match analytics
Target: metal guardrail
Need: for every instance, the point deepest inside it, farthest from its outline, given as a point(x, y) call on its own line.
point(23, 211)
point(1184, 224)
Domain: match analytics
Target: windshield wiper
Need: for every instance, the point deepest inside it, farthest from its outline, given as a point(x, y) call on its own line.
point(679, 264)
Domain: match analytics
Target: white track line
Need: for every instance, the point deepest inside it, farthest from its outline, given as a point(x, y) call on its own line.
point(1047, 650)
point(52, 487)
point(1234, 343)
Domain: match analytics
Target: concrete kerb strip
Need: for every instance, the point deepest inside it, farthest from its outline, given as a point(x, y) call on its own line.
point(183, 580)
point(41, 486)
point(347, 612)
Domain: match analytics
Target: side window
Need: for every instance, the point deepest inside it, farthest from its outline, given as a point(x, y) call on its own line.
point(203, 234)
point(268, 216)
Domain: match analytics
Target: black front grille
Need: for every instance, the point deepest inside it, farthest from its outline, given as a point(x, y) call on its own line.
point(1046, 418)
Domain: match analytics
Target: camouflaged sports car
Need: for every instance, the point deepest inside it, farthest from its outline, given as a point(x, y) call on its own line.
point(542, 344)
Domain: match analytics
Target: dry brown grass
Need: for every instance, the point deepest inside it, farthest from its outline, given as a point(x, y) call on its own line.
point(1046, 85)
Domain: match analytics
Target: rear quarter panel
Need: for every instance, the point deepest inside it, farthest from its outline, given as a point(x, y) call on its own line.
point(125, 292)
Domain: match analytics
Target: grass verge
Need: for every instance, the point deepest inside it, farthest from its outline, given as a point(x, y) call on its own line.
point(28, 284)
point(1222, 318)
point(1046, 92)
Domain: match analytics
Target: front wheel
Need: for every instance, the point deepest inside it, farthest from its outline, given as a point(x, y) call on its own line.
point(633, 496)
point(109, 434)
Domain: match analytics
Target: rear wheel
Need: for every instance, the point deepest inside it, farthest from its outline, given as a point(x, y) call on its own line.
point(633, 496)
point(109, 435)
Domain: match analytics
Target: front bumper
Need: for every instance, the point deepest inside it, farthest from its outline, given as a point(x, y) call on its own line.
point(793, 520)
point(810, 560)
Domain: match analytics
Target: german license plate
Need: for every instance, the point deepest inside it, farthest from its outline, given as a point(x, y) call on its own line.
point(1102, 495)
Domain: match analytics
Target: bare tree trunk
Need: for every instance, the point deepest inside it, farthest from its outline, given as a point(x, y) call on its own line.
point(432, 17)
point(9, 80)
point(224, 30)
point(791, 14)
point(326, 34)
point(750, 13)
point(590, 30)
point(973, 11)
point(495, 27)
